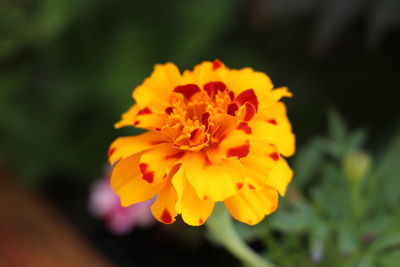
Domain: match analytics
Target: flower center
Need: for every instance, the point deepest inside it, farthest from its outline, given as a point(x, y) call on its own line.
point(194, 114)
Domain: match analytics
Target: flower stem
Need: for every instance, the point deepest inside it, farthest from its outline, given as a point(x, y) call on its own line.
point(220, 225)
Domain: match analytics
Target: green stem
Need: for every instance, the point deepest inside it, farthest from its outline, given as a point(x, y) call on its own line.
point(221, 227)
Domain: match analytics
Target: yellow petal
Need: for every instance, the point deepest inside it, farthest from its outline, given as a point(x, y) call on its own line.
point(286, 144)
point(163, 208)
point(280, 176)
point(146, 118)
point(204, 73)
point(234, 140)
point(212, 181)
point(262, 158)
point(262, 130)
point(124, 147)
point(251, 206)
point(155, 163)
point(243, 79)
point(155, 90)
point(179, 182)
point(195, 211)
point(128, 185)
point(274, 96)
point(128, 117)
point(276, 127)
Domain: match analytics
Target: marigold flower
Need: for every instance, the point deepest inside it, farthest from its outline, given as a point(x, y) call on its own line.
point(214, 134)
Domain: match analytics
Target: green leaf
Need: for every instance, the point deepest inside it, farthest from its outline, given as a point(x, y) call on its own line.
point(308, 161)
point(300, 220)
point(356, 139)
point(387, 241)
point(347, 238)
point(318, 239)
point(366, 261)
point(337, 127)
point(389, 259)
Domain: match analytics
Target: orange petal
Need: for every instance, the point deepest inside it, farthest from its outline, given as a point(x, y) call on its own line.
point(124, 147)
point(252, 206)
point(164, 207)
point(212, 181)
point(128, 185)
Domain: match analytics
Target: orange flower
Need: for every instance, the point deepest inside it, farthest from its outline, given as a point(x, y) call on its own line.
point(214, 134)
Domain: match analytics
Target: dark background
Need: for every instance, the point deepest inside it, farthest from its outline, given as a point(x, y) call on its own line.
point(68, 67)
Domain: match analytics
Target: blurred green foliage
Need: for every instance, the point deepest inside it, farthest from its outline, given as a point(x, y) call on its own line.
point(67, 67)
point(333, 216)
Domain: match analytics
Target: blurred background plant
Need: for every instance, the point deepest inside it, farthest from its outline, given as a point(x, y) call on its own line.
point(342, 209)
point(67, 69)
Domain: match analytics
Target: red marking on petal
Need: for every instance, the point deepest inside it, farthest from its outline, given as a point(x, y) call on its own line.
point(239, 151)
point(187, 90)
point(231, 95)
point(206, 198)
point(176, 155)
point(111, 151)
point(274, 156)
point(250, 111)
point(272, 121)
point(193, 134)
point(201, 221)
point(247, 96)
point(213, 87)
point(204, 119)
point(243, 126)
point(144, 111)
point(166, 216)
point(157, 129)
point(147, 175)
point(136, 123)
point(216, 64)
point(169, 110)
point(232, 108)
point(251, 187)
point(239, 185)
